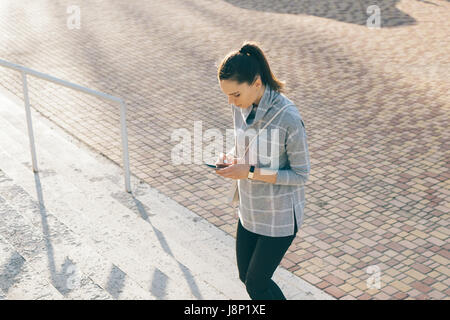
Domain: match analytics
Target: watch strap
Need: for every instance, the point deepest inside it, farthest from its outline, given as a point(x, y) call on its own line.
point(251, 172)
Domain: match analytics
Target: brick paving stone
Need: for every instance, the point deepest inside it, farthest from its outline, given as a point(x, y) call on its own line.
point(390, 291)
point(379, 175)
point(334, 280)
point(334, 291)
point(365, 296)
point(421, 268)
point(422, 287)
point(414, 293)
point(301, 272)
point(436, 295)
point(356, 293)
point(311, 279)
point(293, 257)
point(400, 296)
point(447, 292)
point(285, 263)
point(323, 284)
point(382, 296)
point(401, 286)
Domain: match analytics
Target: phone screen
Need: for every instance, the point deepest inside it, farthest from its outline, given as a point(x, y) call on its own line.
point(219, 166)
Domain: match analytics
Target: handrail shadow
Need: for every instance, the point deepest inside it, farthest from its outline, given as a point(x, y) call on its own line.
point(59, 280)
point(158, 289)
point(165, 246)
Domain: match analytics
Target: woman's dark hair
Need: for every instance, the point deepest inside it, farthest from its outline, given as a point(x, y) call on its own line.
point(244, 65)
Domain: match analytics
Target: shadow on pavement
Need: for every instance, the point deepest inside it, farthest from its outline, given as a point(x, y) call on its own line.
point(351, 11)
point(60, 280)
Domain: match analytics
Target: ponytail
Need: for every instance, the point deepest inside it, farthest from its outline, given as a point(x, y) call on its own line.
point(245, 64)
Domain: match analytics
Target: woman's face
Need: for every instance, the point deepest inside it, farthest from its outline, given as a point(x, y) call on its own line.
point(242, 95)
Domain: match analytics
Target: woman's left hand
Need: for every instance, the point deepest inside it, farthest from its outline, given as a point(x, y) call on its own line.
point(235, 171)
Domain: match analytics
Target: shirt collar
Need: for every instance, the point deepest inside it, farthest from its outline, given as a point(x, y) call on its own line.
point(264, 104)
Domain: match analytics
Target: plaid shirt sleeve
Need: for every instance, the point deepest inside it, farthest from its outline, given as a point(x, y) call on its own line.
point(297, 152)
point(232, 152)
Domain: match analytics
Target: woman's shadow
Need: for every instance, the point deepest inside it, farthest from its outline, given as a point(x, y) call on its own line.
point(359, 12)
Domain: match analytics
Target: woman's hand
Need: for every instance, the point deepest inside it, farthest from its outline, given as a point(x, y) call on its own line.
point(235, 171)
point(225, 159)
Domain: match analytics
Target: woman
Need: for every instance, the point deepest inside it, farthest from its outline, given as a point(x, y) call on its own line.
point(271, 193)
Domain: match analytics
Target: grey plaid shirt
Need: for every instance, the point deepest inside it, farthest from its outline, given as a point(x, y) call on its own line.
point(265, 208)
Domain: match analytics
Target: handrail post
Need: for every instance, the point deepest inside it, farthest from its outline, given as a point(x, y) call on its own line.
point(123, 122)
point(124, 135)
point(29, 122)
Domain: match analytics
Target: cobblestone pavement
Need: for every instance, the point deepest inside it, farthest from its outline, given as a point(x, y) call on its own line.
point(375, 103)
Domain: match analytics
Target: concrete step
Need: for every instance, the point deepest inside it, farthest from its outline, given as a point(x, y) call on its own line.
point(56, 253)
point(18, 280)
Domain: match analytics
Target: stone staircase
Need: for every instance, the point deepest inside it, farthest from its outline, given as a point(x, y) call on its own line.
point(72, 232)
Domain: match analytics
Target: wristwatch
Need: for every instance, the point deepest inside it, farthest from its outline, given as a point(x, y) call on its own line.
point(251, 172)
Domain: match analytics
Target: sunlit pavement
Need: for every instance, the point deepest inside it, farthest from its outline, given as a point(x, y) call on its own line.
point(375, 104)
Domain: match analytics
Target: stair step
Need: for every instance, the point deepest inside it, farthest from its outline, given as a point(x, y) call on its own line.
point(112, 227)
point(17, 276)
point(77, 271)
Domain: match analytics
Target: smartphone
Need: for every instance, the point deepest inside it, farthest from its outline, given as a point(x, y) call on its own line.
point(219, 165)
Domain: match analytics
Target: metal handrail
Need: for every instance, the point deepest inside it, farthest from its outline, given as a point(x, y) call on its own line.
point(24, 71)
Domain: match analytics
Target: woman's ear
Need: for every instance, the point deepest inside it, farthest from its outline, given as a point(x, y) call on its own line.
point(258, 82)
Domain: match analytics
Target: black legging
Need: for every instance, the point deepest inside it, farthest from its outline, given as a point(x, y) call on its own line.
point(258, 257)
